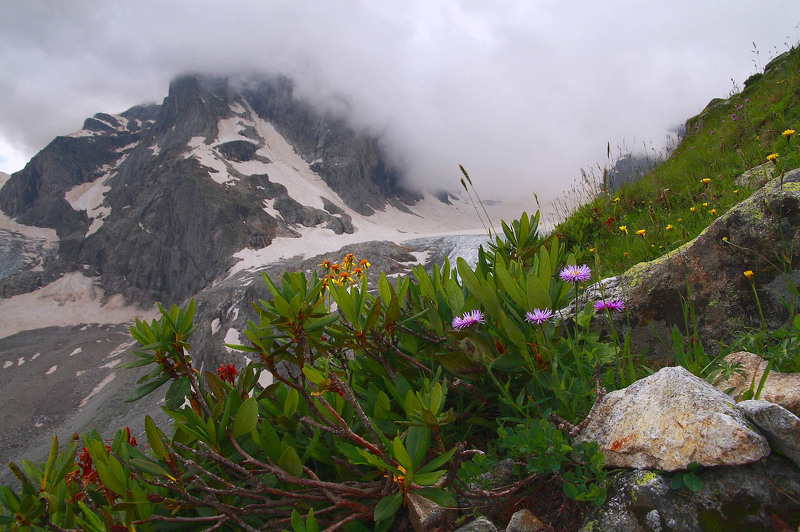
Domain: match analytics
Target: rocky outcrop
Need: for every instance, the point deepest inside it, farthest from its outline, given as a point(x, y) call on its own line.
point(779, 388)
point(670, 420)
point(759, 496)
point(761, 234)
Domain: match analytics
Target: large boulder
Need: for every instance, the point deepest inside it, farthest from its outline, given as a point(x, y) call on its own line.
point(761, 234)
point(670, 420)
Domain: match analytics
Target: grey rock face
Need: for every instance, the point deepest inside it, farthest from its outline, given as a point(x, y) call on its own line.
point(751, 497)
point(669, 420)
point(748, 237)
point(781, 427)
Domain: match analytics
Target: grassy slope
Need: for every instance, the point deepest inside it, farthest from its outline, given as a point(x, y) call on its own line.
point(672, 203)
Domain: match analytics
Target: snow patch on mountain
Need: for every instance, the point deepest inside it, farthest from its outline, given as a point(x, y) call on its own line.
point(90, 197)
point(71, 300)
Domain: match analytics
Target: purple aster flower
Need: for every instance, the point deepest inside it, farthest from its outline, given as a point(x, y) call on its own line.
point(616, 304)
point(575, 274)
point(609, 304)
point(538, 316)
point(469, 318)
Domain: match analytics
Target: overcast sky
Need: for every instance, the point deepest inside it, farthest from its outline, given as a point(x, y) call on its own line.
point(524, 93)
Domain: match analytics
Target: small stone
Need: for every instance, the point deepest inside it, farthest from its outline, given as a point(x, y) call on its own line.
point(669, 420)
point(781, 427)
point(426, 514)
point(525, 521)
point(480, 524)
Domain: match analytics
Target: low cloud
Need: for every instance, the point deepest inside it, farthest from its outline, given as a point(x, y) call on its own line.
point(523, 94)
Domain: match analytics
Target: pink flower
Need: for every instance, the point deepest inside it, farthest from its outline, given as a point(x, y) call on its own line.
point(609, 304)
point(468, 319)
point(574, 273)
point(538, 316)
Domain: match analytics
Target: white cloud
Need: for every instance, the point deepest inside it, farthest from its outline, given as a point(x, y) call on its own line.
point(523, 94)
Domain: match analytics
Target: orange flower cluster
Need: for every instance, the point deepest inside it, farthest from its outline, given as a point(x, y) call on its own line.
point(348, 273)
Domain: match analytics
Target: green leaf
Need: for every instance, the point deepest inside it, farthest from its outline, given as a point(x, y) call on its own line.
point(693, 482)
point(154, 437)
point(291, 402)
point(402, 456)
point(146, 389)
point(51, 460)
point(439, 496)
point(177, 393)
point(146, 466)
point(313, 374)
point(110, 476)
point(297, 522)
point(438, 462)
point(290, 462)
point(570, 490)
point(428, 479)
point(246, 418)
point(388, 506)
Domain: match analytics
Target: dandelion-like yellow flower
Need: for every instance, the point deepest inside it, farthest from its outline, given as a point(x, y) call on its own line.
point(724, 238)
point(691, 209)
point(736, 191)
point(616, 200)
point(749, 274)
point(705, 180)
point(624, 229)
point(591, 250)
point(641, 233)
point(669, 227)
point(713, 211)
point(772, 157)
point(788, 133)
point(705, 204)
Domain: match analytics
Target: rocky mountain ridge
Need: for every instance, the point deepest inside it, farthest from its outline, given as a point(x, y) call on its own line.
point(132, 203)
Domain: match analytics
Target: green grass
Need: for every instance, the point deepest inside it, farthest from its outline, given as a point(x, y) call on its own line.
point(672, 203)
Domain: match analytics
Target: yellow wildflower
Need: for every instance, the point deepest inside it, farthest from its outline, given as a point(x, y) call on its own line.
point(705, 204)
point(364, 263)
point(788, 133)
point(326, 264)
point(705, 180)
point(591, 250)
point(624, 229)
point(669, 227)
point(772, 157)
point(749, 274)
point(736, 191)
point(713, 211)
point(616, 200)
point(625, 253)
point(691, 209)
point(641, 233)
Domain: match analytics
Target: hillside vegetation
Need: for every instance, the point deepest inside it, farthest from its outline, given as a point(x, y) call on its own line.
point(698, 181)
